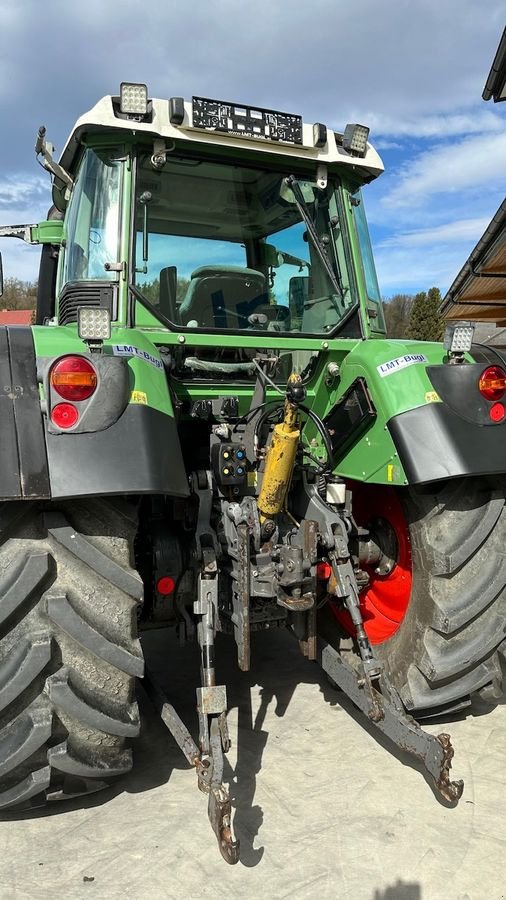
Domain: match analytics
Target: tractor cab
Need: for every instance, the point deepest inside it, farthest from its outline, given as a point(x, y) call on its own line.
point(210, 218)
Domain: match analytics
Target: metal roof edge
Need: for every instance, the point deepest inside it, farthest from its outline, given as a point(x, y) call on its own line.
point(482, 247)
point(498, 71)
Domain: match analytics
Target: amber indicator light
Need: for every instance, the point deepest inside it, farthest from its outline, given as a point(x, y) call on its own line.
point(492, 383)
point(74, 378)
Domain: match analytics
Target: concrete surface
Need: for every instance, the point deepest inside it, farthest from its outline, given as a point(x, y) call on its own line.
point(322, 809)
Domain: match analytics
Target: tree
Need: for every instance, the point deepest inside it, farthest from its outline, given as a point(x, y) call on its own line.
point(397, 312)
point(18, 294)
point(426, 323)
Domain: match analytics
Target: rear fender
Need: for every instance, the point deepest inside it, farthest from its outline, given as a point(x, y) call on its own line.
point(122, 443)
point(430, 422)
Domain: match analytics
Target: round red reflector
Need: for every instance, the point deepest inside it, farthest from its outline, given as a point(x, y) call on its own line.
point(64, 415)
point(74, 378)
point(492, 384)
point(323, 571)
point(497, 412)
point(165, 585)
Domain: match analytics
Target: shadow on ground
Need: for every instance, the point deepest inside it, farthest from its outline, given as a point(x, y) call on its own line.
point(277, 669)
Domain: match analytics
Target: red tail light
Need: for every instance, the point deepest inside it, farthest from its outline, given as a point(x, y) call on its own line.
point(74, 378)
point(492, 384)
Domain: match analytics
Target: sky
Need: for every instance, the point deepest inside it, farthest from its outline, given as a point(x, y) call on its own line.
point(412, 70)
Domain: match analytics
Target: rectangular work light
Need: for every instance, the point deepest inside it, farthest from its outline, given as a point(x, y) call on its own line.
point(355, 139)
point(93, 324)
point(133, 99)
point(458, 337)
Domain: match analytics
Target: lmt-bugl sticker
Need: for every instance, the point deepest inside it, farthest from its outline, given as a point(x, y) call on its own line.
point(402, 362)
point(130, 350)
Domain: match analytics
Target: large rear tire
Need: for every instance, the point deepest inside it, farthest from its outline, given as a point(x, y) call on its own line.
point(450, 643)
point(69, 653)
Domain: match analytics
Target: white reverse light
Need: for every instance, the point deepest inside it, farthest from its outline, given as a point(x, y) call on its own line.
point(93, 323)
point(133, 99)
point(458, 337)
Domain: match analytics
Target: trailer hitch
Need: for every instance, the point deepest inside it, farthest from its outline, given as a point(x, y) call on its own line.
point(219, 808)
point(434, 752)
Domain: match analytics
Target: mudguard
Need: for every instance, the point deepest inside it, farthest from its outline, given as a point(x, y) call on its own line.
point(455, 436)
point(23, 457)
point(139, 452)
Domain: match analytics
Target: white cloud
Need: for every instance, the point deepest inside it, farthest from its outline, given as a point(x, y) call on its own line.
point(20, 191)
point(429, 126)
point(385, 144)
point(449, 232)
point(401, 269)
point(20, 260)
point(469, 164)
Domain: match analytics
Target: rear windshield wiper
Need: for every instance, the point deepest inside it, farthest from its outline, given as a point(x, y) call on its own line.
point(302, 207)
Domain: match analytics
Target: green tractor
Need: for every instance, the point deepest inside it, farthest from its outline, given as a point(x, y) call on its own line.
point(207, 428)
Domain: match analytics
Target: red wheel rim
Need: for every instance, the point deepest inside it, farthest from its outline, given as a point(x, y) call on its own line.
point(386, 598)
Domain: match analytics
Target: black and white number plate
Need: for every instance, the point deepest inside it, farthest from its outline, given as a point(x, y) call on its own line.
point(246, 121)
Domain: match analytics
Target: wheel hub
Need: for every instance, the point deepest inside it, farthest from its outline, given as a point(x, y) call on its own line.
point(384, 553)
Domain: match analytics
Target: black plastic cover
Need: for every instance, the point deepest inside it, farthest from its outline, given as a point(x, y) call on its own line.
point(457, 386)
point(434, 443)
point(350, 417)
point(23, 463)
point(138, 454)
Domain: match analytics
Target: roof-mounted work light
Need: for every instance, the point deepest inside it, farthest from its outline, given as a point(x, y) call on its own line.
point(458, 338)
point(355, 139)
point(133, 99)
point(93, 326)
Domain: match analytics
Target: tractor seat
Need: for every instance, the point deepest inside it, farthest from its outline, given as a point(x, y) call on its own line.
point(222, 297)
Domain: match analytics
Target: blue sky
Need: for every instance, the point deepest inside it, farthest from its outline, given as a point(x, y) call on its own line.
point(413, 70)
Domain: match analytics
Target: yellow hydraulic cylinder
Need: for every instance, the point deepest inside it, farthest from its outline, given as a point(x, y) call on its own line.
point(279, 462)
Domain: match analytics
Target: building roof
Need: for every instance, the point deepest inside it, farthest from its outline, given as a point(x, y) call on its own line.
point(16, 316)
point(479, 290)
point(496, 81)
point(488, 333)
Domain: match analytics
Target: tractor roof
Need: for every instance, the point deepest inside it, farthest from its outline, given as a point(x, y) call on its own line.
point(315, 142)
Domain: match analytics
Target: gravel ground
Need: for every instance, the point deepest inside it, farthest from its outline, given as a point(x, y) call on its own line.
point(321, 808)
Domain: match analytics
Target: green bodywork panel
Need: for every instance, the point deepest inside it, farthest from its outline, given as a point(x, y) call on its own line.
point(50, 232)
point(372, 458)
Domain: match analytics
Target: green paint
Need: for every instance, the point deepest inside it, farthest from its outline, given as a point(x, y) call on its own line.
point(50, 232)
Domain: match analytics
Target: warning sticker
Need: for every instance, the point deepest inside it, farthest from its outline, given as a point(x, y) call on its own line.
point(130, 350)
point(432, 397)
point(138, 397)
point(402, 362)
